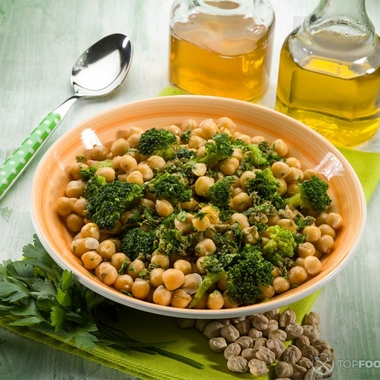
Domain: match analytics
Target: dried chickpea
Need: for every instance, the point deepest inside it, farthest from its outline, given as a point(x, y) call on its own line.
point(91, 259)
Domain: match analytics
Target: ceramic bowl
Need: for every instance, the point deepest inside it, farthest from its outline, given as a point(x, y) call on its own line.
point(313, 150)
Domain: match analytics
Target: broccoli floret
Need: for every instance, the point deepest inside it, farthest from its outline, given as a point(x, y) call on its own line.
point(157, 142)
point(247, 276)
point(220, 193)
point(107, 202)
point(281, 244)
point(214, 273)
point(137, 242)
point(170, 187)
point(257, 157)
point(171, 240)
point(264, 184)
point(312, 196)
point(94, 183)
point(185, 154)
point(261, 155)
point(218, 149)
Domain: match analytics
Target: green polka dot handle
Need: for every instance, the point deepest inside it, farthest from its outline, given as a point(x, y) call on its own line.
point(20, 158)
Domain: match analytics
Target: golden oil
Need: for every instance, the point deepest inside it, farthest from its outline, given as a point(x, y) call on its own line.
point(213, 58)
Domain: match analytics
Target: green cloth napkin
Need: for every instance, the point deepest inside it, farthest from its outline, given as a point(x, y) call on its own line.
point(189, 342)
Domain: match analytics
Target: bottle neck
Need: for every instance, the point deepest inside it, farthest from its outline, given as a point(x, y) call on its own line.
point(348, 17)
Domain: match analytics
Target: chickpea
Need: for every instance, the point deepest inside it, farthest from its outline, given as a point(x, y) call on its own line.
point(215, 300)
point(135, 268)
point(173, 278)
point(123, 283)
point(133, 139)
point(75, 188)
point(313, 233)
point(229, 165)
point(295, 175)
point(282, 187)
point(325, 244)
point(201, 223)
point(245, 177)
point(334, 220)
point(240, 219)
point(240, 202)
point(202, 185)
point(293, 162)
point(75, 170)
point(212, 213)
point(163, 207)
point(162, 296)
point(226, 123)
point(280, 147)
point(192, 283)
point(312, 265)
point(91, 259)
point(64, 206)
point(106, 249)
point(180, 298)
point(288, 224)
point(134, 176)
point(309, 173)
point(82, 245)
point(268, 292)
point(280, 169)
point(183, 265)
point(297, 275)
point(327, 230)
point(119, 147)
point(140, 288)
point(190, 205)
point(146, 171)
point(161, 260)
point(196, 142)
point(155, 277)
point(174, 129)
point(281, 285)
point(119, 260)
point(106, 273)
point(205, 247)
point(107, 173)
point(128, 163)
point(305, 249)
point(74, 222)
point(90, 230)
point(208, 128)
point(98, 152)
point(79, 206)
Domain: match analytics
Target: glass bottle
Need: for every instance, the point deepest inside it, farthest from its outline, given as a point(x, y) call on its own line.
point(329, 73)
point(221, 47)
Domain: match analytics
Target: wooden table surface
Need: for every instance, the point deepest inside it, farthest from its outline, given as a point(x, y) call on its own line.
point(39, 42)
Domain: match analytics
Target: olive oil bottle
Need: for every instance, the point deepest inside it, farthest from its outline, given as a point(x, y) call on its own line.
point(329, 73)
point(221, 47)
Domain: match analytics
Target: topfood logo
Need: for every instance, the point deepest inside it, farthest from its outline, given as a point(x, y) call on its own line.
point(323, 366)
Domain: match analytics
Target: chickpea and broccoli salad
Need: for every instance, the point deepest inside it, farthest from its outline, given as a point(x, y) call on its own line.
point(198, 215)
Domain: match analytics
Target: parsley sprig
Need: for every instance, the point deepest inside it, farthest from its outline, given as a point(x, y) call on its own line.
point(36, 293)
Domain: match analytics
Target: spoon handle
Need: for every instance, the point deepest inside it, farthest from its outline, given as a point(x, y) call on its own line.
point(20, 158)
point(17, 162)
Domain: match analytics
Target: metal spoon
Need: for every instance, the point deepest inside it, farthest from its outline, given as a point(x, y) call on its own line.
point(98, 71)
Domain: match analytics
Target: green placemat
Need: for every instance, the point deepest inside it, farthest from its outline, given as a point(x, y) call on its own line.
point(189, 342)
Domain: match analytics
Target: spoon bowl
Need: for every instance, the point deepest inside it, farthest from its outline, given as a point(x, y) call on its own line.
point(98, 71)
